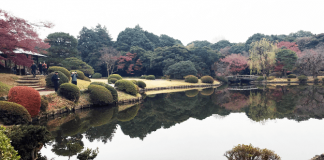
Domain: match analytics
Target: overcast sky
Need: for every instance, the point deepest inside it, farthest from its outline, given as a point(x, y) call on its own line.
point(186, 20)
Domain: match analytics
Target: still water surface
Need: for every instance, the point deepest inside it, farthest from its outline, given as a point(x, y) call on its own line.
point(196, 124)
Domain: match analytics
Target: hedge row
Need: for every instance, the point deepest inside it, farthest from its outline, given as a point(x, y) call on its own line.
point(150, 77)
point(127, 86)
point(97, 75)
point(207, 79)
point(191, 79)
point(69, 91)
point(100, 95)
point(112, 90)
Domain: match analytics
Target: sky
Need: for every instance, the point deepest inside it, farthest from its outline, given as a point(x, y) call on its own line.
point(186, 20)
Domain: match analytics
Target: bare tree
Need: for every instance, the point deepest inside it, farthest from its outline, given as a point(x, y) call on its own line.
point(109, 56)
point(311, 61)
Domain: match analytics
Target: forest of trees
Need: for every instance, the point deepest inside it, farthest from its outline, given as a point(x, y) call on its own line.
point(139, 52)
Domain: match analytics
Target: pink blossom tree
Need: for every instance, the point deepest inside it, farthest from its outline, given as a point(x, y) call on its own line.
point(109, 57)
point(311, 61)
point(291, 46)
point(236, 63)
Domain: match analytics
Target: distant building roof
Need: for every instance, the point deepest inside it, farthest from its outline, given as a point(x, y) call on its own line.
point(21, 51)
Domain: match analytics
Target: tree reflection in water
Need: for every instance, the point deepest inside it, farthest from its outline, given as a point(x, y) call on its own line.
point(165, 110)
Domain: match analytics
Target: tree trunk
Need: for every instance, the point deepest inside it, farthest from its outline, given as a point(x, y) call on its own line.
point(107, 69)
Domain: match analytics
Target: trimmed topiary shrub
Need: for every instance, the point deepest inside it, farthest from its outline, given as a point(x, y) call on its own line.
point(44, 104)
point(207, 91)
point(302, 79)
point(80, 74)
point(97, 75)
point(7, 151)
point(292, 76)
point(128, 114)
point(260, 78)
point(191, 79)
point(113, 80)
point(207, 79)
point(134, 81)
point(271, 78)
point(69, 91)
point(63, 79)
point(61, 69)
point(4, 89)
point(150, 77)
point(99, 95)
point(117, 76)
point(143, 77)
point(127, 86)
point(13, 113)
point(27, 97)
point(141, 84)
point(112, 90)
point(192, 93)
point(222, 79)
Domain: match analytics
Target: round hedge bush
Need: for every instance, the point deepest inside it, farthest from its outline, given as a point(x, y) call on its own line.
point(69, 91)
point(134, 81)
point(143, 77)
point(97, 75)
point(63, 79)
point(100, 95)
point(61, 69)
point(192, 93)
point(141, 84)
point(207, 79)
point(128, 114)
point(127, 86)
point(292, 76)
point(191, 79)
point(13, 113)
point(150, 77)
point(112, 90)
point(302, 79)
point(27, 97)
point(207, 91)
point(80, 74)
point(113, 80)
point(117, 76)
point(44, 104)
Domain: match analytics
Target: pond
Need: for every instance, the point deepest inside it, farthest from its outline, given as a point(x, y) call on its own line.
point(198, 124)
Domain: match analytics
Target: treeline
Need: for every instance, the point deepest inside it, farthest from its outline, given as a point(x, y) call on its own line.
point(138, 52)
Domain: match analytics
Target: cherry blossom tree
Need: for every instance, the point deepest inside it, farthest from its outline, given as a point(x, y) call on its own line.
point(312, 61)
point(109, 57)
point(291, 46)
point(17, 33)
point(236, 63)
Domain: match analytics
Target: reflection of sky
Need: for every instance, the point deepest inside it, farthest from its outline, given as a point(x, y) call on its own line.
point(210, 138)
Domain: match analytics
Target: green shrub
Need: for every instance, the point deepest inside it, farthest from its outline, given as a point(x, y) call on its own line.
point(150, 77)
point(7, 151)
point(207, 79)
point(249, 152)
point(100, 95)
point(302, 79)
point(69, 91)
point(260, 78)
point(271, 78)
point(134, 81)
point(292, 76)
point(192, 93)
point(80, 74)
point(207, 91)
point(143, 77)
point(113, 80)
point(44, 104)
point(191, 79)
point(128, 114)
point(13, 113)
point(97, 75)
point(87, 79)
point(63, 79)
point(141, 84)
point(112, 90)
point(127, 86)
point(4, 89)
point(117, 76)
point(61, 69)
point(222, 79)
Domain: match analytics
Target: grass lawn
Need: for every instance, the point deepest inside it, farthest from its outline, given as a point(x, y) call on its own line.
point(82, 84)
point(168, 83)
point(124, 96)
point(310, 78)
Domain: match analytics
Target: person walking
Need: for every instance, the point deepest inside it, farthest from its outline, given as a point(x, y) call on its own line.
point(55, 79)
point(40, 68)
point(74, 76)
point(34, 67)
point(44, 68)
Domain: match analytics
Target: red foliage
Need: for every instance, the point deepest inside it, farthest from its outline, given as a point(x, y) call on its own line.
point(291, 46)
point(17, 33)
point(236, 62)
point(27, 97)
point(127, 60)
